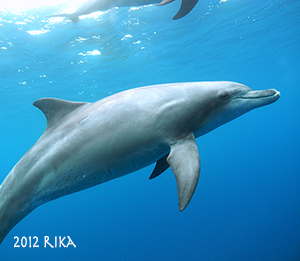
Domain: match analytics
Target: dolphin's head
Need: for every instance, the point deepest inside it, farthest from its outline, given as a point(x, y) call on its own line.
point(235, 96)
point(229, 100)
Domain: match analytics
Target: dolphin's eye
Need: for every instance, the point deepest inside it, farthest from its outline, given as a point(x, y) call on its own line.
point(224, 95)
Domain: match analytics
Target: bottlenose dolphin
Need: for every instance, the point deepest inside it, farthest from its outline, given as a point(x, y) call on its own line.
point(86, 144)
point(91, 6)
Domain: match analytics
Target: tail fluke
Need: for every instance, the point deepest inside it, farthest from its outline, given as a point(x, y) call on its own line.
point(185, 8)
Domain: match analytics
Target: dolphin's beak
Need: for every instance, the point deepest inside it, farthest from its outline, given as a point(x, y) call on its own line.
point(268, 94)
point(255, 99)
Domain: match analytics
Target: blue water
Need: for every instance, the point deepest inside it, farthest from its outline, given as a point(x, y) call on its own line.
point(247, 203)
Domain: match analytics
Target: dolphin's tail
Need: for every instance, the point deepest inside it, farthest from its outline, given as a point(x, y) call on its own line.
point(185, 8)
point(73, 17)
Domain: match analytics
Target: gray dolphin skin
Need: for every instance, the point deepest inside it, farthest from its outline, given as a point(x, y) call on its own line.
point(86, 144)
point(91, 6)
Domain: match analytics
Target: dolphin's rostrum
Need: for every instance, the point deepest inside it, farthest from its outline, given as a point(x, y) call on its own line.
point(91, 6)
point(86, 144)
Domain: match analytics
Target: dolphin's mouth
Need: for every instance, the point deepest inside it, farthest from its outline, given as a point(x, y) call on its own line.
point(254, 99)
point(265, 94)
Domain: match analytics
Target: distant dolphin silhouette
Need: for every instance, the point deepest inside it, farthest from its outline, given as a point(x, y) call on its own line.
point(102, 5)
point(86, 144)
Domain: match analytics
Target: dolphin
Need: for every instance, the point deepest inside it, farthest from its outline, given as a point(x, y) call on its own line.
point(86, 144)
point(91, 6)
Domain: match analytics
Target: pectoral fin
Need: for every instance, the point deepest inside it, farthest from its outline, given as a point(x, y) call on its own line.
point(185, 163)
point(160, 167)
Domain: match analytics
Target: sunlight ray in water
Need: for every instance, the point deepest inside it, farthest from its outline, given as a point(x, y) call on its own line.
point(37, 32)
point(28, 4)
point(94, 52)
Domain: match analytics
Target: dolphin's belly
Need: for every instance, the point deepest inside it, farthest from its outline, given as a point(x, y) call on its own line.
point(80, 174)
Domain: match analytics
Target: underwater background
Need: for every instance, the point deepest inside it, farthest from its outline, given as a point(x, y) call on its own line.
point(247, 203)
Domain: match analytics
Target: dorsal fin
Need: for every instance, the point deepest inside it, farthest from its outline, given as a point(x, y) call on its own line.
point(56, 109)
